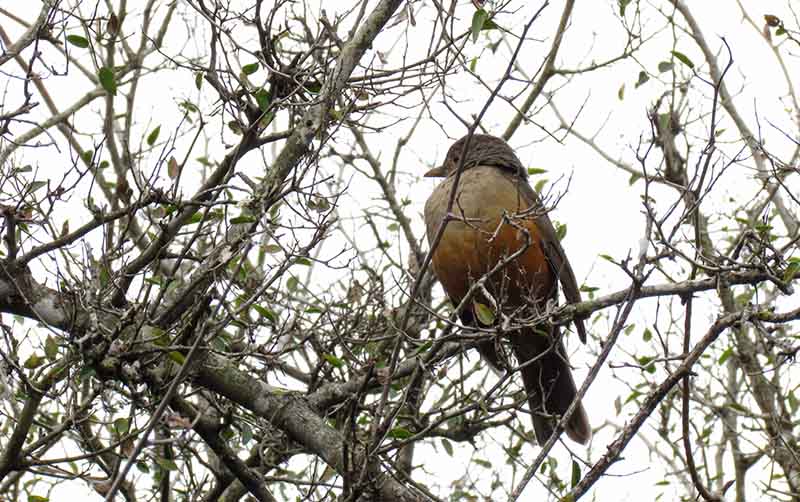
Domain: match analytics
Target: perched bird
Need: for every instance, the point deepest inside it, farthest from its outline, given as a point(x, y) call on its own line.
point(496, 214)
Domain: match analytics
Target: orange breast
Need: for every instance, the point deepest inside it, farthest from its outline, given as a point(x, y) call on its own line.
point(479, 239)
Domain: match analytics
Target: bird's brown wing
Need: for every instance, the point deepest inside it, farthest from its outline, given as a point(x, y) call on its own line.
point(556, 257)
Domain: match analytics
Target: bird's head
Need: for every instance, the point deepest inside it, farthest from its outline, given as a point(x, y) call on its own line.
point(481, 150)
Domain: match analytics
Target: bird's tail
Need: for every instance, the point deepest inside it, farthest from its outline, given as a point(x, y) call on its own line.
point(549, 385)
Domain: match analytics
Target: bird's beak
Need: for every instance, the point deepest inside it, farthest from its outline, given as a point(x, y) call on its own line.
point(436, 172)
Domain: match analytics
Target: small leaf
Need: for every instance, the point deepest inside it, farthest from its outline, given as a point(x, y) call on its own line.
point(176, 357)
point(725, 355)
point(533, 171)
point(36, 185)
point(78, 41)
point(647, 335)
point(249, 69)
point(623, 4)
point(291, 283)
point(400, 433)
point(683, 59)
point(576, 473)
point(112, 27)
point(173, 169)
point(108, 80)
point(484, 314)
point(448, 446)
point(333, 360)
point(664, 66)
point(561, 231)
point(244, 218)
point(473, 64)
point(643, 78)
point(647, 363)
point(792, 270)
point(621, 92)
point(198, 80)
point(122, 426)
point(478, 19)
point(153, 136)
point(266, 313)
point(313, 87)
point(50, 347)
point(34, 361)
point(263, 98)
point(167, 464)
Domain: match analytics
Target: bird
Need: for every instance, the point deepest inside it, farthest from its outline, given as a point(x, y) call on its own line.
point(498, 218)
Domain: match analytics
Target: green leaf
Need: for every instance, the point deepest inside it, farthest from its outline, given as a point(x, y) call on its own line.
point(478, 19)
point(448, 446)
point(78, 41)
point(122, 426)
point(484, 314)
point(576, 473)
point(683, 59)
point(333, 360)
point(50, 348)
point(198, 80)
point(34, 361)
point(725, 355)
point(792, 270)
point(36, 185)
point(621, 92)
point(176, 357)
point(243, 218)
point(400, 433)
point(266, 313)
point(647, 335)
point(249, 69)
point(263, 98)
point(153, 136)
point(561, 231)
point(197, 217)
point(647, 363)
point(37, 498)
point(664, 66)
point(473, 64)
point(623, 4)
point(643, 78)
point(167, 464)
point(108, 80)
point(313, 87)
point(533, 171)
point(780, 31)
point(291, 283)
